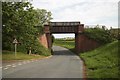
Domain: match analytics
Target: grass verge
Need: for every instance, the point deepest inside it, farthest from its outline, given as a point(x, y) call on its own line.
point(102, 62)
point(9, 55)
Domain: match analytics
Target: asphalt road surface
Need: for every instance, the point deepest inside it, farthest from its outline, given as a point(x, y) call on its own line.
point(63, 64)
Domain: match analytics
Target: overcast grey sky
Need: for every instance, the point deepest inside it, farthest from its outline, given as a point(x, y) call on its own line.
point(88, 12)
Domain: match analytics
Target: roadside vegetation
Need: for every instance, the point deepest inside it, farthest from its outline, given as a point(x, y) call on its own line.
point(22, 22)
point(101, 35)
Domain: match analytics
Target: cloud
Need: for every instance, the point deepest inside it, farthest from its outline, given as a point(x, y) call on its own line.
point(88, 12)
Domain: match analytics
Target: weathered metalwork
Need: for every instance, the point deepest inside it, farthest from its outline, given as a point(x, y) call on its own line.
point(64, 23)
point(62, 27)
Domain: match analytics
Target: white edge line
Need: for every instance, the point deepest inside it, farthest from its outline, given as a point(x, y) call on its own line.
point(5, 68)
point(14, 66)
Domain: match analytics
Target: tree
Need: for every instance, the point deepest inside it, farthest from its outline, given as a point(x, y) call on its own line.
point(19, 21)
point(43, 17)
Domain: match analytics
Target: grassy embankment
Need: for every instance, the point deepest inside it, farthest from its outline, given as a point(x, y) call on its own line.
point(101, 62)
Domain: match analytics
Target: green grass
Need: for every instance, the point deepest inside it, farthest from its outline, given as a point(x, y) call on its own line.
point(9, 55)
point(102, 62)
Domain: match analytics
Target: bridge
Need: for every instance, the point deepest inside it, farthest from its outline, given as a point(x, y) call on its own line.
point(82, 42)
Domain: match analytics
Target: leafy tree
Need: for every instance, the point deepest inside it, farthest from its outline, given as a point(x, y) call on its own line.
point(19, 21)
point(43, 17)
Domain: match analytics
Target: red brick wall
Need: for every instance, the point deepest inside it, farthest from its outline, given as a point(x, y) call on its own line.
point(43, 40)
point(89, 44)
point(83, 43)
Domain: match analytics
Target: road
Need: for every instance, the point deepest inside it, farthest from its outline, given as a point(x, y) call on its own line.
point(63, 64)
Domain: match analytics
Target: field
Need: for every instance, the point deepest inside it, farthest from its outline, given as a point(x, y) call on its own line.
point(101, 62)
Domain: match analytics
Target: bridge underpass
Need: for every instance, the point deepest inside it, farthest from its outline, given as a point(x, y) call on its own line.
point(82, 42)
point(65, 27)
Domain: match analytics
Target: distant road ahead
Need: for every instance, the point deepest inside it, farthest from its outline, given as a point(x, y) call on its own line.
point(63, 64)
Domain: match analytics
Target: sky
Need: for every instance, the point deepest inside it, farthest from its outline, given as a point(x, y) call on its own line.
point(88, 12)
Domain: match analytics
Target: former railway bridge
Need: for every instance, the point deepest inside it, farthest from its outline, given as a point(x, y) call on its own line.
point(82, 42)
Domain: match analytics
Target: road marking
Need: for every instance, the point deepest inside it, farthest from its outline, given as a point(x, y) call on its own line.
point(8, 65)
point(14, 66)
point(5, 68)
point(19, 64)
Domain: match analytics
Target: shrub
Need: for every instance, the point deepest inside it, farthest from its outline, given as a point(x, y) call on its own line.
point(98, 34)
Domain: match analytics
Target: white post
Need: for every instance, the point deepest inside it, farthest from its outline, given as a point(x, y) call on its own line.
point(30, 51)
point(15, 50)
point(15, 42)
